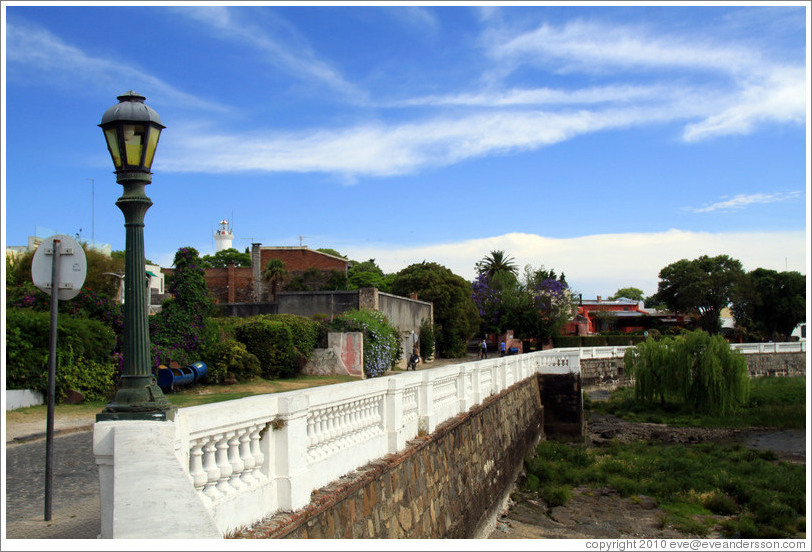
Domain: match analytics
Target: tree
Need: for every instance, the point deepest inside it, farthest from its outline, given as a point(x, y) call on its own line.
point(696, 370)
point(332, 252)
point(632, 293)
point(497, 262)
point(702, 287)
point(367, 274)
point(455, 314)
point(179, 331)
point(275, 273)
point(771, 303)
point(226, 257)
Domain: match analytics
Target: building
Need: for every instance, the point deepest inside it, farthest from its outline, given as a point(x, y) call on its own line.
point(622, 314)
point(223, 237)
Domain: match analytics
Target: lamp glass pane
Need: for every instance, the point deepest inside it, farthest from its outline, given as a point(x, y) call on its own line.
point(134, 143)
point(152, 143)
point(112, 145)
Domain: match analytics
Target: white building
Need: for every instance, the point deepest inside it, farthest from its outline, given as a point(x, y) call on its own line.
point(223, 236)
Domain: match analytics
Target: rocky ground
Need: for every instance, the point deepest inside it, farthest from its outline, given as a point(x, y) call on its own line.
point(603, 513)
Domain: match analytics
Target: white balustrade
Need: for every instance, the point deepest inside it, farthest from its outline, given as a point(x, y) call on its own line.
point(248, 458)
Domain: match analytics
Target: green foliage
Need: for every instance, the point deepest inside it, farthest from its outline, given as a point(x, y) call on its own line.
point(695, 370)
point(771, 304)
point(495, 263)
point(382, 349)
point(95, 380)
point(633, 293)
point(766, 499)
point(566, 341)
point(226, 257)
point(332, 252)
point(27, 347)
point(426, 339)
point(180, 330)
point(703, 287)
point(305, 333)
point(272, 343)
point(275, 274)
point(230, 358)
point(773, 402)
point(455, 314)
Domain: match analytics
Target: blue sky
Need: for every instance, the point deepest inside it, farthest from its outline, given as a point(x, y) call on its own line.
point(605, 142)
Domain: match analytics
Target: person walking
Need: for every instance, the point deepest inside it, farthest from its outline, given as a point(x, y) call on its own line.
point(483, 349)
point(502, 348)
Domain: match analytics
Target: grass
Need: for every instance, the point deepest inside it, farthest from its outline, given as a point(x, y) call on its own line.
point(773, 403)
point(199, 394)
point(756, 497)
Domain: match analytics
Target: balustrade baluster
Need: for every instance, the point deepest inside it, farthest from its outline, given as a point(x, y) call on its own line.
point(256, 452)
point(223, 463)
point(210, 466)
point(196, 470)
point(247, 458)
point(237, 464)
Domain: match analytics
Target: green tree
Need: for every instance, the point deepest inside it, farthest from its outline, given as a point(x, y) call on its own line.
point(703, 287)
point(632, 293)
point(695, 370)
point(274, 274)
point(497, 263)
point(180, 330)
point(771, 303)
point(226, 257)
point(332, 252)
point(455, 314)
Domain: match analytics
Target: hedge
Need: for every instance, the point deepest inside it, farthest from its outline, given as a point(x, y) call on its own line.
point(27, 349)
point(272, 343)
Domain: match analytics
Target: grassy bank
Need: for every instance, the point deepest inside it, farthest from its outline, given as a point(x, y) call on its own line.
point(742, 492)
point(747, 494)
point(773, 403)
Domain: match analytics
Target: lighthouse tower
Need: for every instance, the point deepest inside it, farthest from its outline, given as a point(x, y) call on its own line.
point(223, 236)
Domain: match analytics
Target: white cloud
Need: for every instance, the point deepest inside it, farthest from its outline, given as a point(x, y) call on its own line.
point(601, 264)
point(277, 42)
point(41, 55)
point(744, 200)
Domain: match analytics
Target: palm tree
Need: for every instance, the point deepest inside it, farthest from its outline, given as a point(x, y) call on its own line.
point(497, 262)
point(275, 273)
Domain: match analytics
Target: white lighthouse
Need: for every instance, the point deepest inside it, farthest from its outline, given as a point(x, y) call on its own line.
point(223, 236)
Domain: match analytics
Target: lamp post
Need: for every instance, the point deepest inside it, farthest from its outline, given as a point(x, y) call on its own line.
point(132, 129)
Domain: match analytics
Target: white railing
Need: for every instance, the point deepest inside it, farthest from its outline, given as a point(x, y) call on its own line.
point(587, 353)
point(238, 461)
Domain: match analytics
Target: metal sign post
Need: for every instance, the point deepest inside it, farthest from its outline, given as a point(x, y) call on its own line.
point(65, 282)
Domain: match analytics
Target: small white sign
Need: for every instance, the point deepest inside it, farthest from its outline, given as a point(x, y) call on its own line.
point(72, 267)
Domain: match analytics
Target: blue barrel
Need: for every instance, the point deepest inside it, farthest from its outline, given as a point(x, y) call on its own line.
point(199, 369)
point(175, 377)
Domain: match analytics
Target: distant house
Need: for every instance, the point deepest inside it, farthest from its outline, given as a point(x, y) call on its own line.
point(622, 314)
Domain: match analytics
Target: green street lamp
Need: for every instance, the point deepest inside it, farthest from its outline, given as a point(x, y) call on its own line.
point(132, 129)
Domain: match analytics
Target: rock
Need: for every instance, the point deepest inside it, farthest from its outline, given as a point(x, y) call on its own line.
point(646, 502)
point(74, 397)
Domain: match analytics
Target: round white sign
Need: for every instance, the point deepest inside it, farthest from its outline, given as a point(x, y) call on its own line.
point(72, 267)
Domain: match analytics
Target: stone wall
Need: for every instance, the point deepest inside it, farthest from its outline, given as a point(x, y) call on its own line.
point(449, 484)
point(562, 397)
point(609, 372)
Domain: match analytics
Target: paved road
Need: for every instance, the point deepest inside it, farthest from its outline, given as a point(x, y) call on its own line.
point(75, 490)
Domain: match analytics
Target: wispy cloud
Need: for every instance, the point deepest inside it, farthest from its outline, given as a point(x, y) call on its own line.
point(40, 55)
point(755, 89)
point(388, 149)
point(746, 200)
point(277, 43)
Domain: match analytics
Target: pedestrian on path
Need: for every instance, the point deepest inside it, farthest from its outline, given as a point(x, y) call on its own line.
point(483, 349)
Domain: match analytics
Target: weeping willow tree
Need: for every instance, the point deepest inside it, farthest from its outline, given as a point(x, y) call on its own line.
point(695, 370)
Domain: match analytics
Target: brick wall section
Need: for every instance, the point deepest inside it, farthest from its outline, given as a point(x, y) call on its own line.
point(445, 485)
point(299, 259)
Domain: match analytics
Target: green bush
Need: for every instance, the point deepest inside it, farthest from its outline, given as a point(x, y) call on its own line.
point(230, 358)
point(426, 339)
point(272, 344)
point(566, 341)
point(382, 348)
point(95, 380)
point(594, 341)
point(304, 330)
point(27, 346)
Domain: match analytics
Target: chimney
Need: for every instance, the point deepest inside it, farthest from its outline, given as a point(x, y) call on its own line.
point(599, 298)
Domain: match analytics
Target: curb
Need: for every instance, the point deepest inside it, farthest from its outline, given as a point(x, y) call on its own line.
point(57, 432)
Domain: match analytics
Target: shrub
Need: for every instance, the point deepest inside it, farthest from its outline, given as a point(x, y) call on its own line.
point(382, 348)
point(27, 347)
point(95, 380)
point(565, 341)
point(230, 358)
point(272, 343)
point(426, 339)
point(305, 333)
